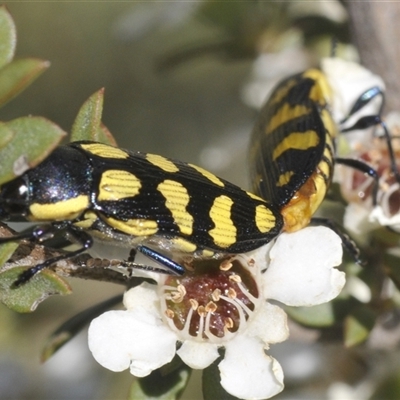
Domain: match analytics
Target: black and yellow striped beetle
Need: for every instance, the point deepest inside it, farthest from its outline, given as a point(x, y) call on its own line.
point(136, 200)
point(292, 149)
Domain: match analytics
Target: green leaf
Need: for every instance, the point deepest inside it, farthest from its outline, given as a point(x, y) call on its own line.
point(87, 123)
point(164, 383)
point(6, 134)
point(28, 296)
point(18, 75)
point(322, 315)
point(34, 138)
point(8, 37)
point(6, 251)
point(105, 136)
point(358, 325)
point(74, 325)
point(212, 388)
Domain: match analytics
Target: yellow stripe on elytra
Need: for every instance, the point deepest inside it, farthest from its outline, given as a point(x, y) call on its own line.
point(284, 178)
point(254, 196)
point(298, 141)
point(62, 210)
point(282, 92)
point(117, 184)
point(321, 92)
point(162, 162)
point(176, 200)
point(213, 178)
point(264, 219)
point(285, 114)
point(103, 150)
point(224, 232)
point(135, 227)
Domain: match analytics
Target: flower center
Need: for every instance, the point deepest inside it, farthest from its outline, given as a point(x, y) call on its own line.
point(212, 301)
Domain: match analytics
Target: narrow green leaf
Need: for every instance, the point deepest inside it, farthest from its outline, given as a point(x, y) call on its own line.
point(161, 385)
point(28, 296)
point(35, 138)
point(74, 325)
point(105, 136)
point(358, 325)
point(6, 134)
point(8, 37)
point(18, 75)
point(87, 123)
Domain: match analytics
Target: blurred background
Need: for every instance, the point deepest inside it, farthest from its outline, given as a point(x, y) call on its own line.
point(188, 110)
point(182, 79)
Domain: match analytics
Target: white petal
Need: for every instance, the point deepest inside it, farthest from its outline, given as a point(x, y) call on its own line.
point(301, 271)
point(378, 214)
point(143, 296)
point(135, 339)
point(247, 372)
point(358, 289)
point(198, 355)
point(357, 220)
point(349, 80)
point(259, 256)
point(269, 324)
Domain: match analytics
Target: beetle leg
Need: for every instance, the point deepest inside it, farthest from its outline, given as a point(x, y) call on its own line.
point(363, 167)
point(373, 120)
point(38, 233)
point(174, 267)
point(79, 236)
point(363, 100)
point(131, 264)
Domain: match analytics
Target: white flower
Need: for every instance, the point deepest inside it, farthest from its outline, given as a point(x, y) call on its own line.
point(361, 215)
point(223, 304)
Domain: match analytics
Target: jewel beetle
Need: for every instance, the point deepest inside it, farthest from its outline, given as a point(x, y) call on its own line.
point(138, 200)
point(293, 145)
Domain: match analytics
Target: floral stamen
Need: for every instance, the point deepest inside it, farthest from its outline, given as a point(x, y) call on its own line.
point(194, 303)
point(235, 278)
point(216, 294)
point(213, 301)
point(226, 265)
